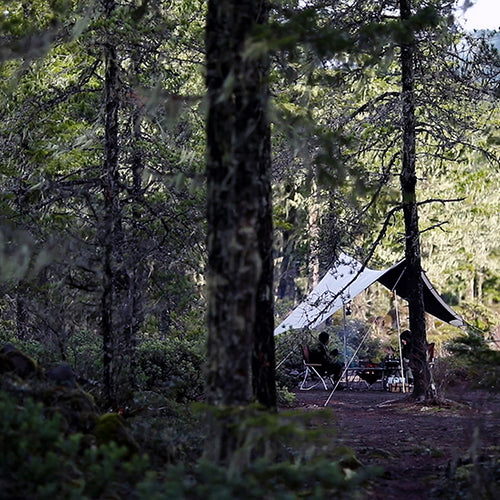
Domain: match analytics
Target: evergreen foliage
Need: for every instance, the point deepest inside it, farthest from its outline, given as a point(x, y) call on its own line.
point(77, 251)
point(481, 363)
point(290, 455)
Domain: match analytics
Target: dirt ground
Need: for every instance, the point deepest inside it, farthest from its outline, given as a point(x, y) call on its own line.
point(416, 445)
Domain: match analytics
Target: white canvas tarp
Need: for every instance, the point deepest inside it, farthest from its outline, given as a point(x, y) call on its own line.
point(347, 279)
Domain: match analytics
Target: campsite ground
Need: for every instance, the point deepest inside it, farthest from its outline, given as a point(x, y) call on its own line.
point(425, 452)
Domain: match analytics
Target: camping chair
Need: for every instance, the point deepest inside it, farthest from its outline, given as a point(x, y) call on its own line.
point(312, 370)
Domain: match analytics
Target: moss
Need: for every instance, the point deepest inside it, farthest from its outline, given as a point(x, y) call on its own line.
point(15, 361)
point(75, 405)
point(113, 427)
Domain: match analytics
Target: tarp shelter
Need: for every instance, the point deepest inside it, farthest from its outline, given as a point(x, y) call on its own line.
point(347, 279)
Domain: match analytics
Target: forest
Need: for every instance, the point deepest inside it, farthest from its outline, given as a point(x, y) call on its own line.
point(175, 177)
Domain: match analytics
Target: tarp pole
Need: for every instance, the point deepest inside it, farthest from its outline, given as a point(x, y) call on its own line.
point(346, 367)
point(398, 326)
point(285, 358)
point(345, 334)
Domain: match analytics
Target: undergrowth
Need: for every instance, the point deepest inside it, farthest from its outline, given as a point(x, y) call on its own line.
point(287, 455)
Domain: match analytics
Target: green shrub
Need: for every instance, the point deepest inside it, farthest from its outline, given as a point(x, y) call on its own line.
point(290, 455)
point(449, 372)
point(168, 431)
point(285, 397)
point(263, 479)
point(172, 367)
point(38, 461)
point(480, 361)
point(84, 354)
point(474, 475)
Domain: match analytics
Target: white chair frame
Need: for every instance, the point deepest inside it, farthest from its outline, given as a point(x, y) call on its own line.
point(311, 369)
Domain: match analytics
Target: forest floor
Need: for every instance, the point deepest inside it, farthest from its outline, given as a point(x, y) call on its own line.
point(424, 450)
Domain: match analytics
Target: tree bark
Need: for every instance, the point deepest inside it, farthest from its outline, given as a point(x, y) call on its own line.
point(134, 311)
point(110, 193)
point(314, 234)
point(238, 213)
point(288, 268)
point(408, 179)
point(263, 361)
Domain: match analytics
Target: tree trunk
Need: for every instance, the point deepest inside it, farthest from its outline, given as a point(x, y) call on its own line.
point(135, 264)
point(110, 193)
point(418, 360)
point(263, 362)
point(288, 268)
point(314, 234)
point(237, 203)
point(478, 284)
